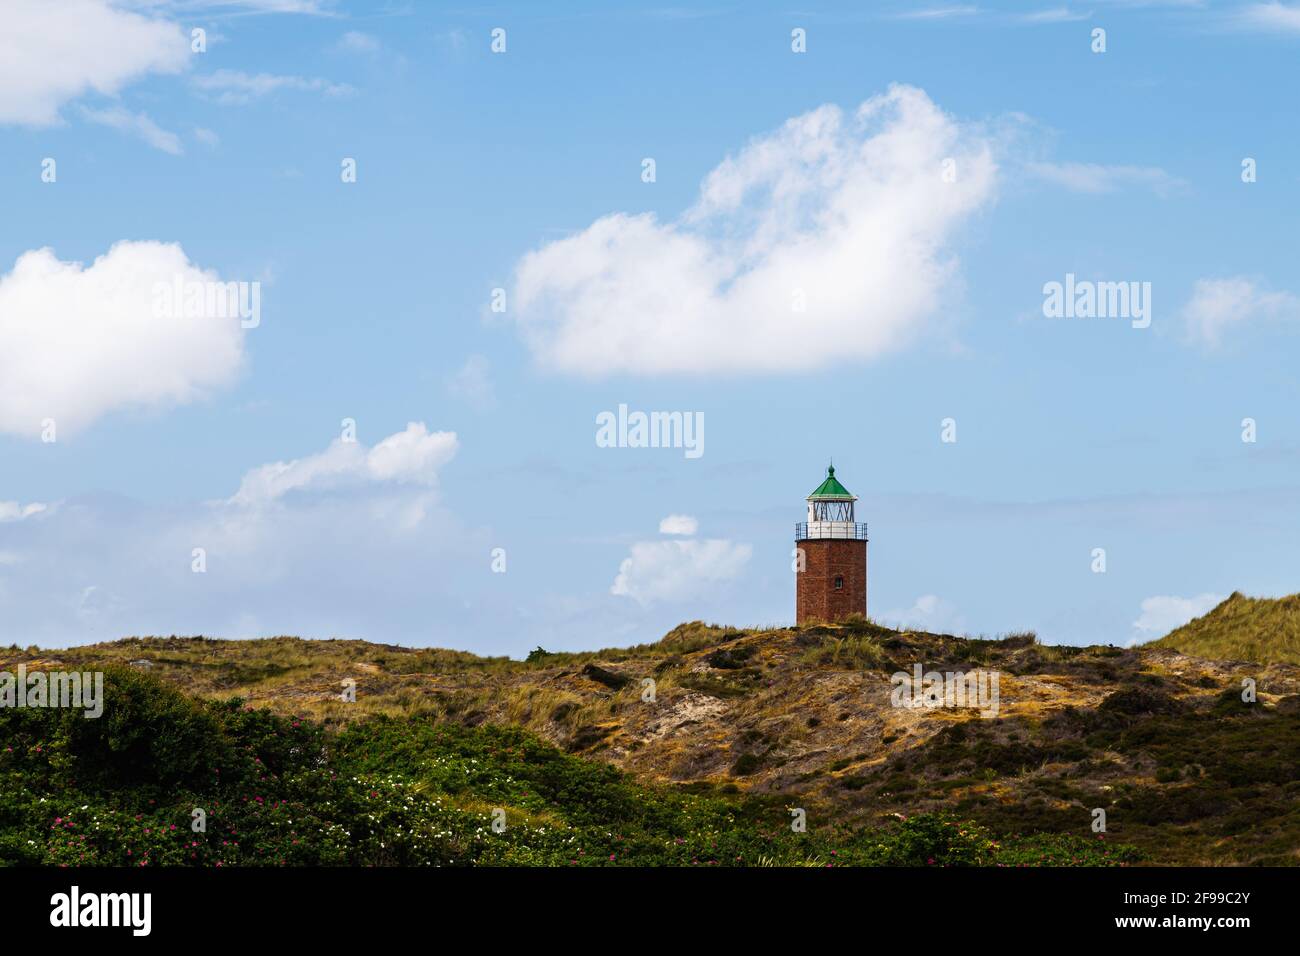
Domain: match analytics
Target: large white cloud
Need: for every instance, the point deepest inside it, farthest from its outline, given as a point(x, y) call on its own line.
point(53, 52)
point(824, 241)
point(77, 342)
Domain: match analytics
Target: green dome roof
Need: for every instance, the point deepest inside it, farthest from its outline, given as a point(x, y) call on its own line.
point(830, 488)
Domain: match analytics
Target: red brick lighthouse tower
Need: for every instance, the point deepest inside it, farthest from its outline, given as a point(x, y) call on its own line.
point(831, 579)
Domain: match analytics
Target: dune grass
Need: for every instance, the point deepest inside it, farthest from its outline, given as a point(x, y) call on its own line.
point(1263, 630)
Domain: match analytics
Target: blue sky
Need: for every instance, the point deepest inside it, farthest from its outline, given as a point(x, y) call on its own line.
point(523, 171)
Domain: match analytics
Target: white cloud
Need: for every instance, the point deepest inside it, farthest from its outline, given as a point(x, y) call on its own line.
point(1162, 613)
point(1095, 178)
point(233, 87)
point(137, 124)
point(678, 570)
point(410, 457)
point(78, 342)
point(1055, 15)
point(929, 613)
point(206, 136)
point(187, 7)
point(849, 211)
point(13, 511)
point(356, 42)
point(1218, 304)
point(1270, 16)
point(937, 13)
point(678, 524)
point(473, 383)
point(280, 6)
point(413, 456)
point(51, 53)
point(364, 550)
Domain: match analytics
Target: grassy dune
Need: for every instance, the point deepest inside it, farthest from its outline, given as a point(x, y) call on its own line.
point(754, 722)
point(1243, 628)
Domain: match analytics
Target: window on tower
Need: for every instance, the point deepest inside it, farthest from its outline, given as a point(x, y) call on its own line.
point(839, 583)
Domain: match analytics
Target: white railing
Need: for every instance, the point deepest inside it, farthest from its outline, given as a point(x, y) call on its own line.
point(820, 530)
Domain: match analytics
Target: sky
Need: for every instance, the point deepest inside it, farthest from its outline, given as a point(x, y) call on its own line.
point(463, 235)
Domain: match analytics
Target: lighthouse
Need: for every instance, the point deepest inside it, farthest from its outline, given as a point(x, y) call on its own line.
point(830, 556)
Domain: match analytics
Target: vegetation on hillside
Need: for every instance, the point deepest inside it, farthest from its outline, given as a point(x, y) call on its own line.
point(716, 728)
point(1266, 630)
point(122, 790)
